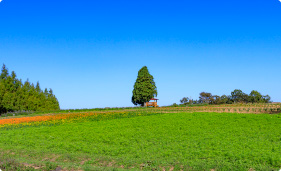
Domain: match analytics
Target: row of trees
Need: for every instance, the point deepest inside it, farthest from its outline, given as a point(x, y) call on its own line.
point(18, 96)
point(237, 96)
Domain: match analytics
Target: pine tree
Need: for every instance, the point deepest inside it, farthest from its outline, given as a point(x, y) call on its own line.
point(144, 88)
point(4, 72)
point(32, 98)
point(37, 88)
point(24, 95)
point(53, 102)
point(2, 91)
point(16, 96)
point(9, 98)
point(18, 85)
point(3, 76)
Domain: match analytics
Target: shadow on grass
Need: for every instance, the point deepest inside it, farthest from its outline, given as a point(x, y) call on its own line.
point(12, 165)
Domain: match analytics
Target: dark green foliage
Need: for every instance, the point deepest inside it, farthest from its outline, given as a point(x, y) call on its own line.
point(237, 96)
point(16, 96)
point(256, 97)
point(144, 88)
point(184, 100)
point(205, 97)
point(215, 100)
point(266, 99)
point(226, 99)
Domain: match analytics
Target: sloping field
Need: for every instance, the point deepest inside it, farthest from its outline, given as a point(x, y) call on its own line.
point(144, 141)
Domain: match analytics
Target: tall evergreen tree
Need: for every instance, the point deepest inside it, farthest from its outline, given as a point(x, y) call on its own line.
point(37, 88)
point(15, 96)
point(2, 91)
point(144, 88)
point(54, 104)
point(4, 72)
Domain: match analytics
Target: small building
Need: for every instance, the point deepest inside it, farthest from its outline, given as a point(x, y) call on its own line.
point(153, 104)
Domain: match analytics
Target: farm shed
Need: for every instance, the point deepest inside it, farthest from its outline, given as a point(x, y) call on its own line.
point(154, 103)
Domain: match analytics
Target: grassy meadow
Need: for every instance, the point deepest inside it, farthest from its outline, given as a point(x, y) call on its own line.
point(144, 139)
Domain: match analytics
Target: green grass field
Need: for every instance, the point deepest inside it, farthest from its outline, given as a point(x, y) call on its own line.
point(187, 141)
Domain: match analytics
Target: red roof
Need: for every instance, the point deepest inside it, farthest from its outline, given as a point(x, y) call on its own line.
point(154, 99)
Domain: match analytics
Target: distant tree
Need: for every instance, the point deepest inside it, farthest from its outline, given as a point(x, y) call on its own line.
point(226, 99)
point(215, 99)
point(144, 88)
point(266, 99)
point(255, 97)
point(205, 97)
point(194, 102)
point(238, 96)
point(184, 100)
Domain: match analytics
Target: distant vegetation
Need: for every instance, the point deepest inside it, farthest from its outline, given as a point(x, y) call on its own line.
point(22, 97)
point(237, 96)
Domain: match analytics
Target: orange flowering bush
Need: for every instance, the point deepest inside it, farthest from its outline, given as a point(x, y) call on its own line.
point(59, 118)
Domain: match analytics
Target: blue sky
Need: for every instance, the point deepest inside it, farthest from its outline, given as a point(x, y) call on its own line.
point(89, 52)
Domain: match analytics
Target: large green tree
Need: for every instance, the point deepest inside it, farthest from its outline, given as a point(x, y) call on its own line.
point(144, 88)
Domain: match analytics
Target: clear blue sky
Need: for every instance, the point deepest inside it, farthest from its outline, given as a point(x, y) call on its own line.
point(89, 51)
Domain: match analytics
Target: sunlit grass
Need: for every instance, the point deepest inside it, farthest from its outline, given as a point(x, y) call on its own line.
point(188, 141)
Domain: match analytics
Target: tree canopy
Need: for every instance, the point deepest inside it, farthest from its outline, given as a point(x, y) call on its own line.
point(205, 97)
point(144, 88)
point(184, 100)
point(18, 96)
point(239, 96)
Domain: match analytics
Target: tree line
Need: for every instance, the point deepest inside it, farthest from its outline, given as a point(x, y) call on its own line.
point(237, 96)
point(18, 96)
